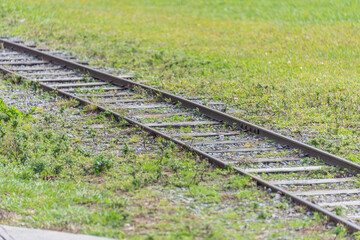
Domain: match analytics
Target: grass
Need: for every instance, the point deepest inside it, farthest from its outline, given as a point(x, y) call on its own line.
point(289, 64)
point(54, 176)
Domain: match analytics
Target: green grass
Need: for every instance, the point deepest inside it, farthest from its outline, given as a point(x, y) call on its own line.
point(52, 178)
point(286, 64)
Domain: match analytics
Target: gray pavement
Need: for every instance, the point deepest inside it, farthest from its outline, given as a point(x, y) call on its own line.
point(17, 233)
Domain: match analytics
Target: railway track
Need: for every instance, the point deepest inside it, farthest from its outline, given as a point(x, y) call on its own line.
point(311, 177)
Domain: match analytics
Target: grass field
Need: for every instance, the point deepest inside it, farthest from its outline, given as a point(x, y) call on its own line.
point(289, 65)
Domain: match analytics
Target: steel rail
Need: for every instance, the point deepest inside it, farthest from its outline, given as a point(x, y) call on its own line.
point(209, 112)
point(206, 111)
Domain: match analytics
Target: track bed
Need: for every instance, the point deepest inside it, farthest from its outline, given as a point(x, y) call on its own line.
point(314, 178)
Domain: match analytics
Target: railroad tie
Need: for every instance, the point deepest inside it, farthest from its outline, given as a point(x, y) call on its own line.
point(223, 142)
point(120, 101)
point(31, 69)
point(241, 150)
point(312, 181)
point(2, 53)
point(263, 160)
point(343, 203)
point(105, 95)
point(48, 74)
point(94, 84)
point(59, 80)
point(207, 134)
point(102, 89)
point(14, 58)
point(327, 192)
point(159, 115)
point(182, 124)
point(149, 106)
point(283, 170)
point(24, 63)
